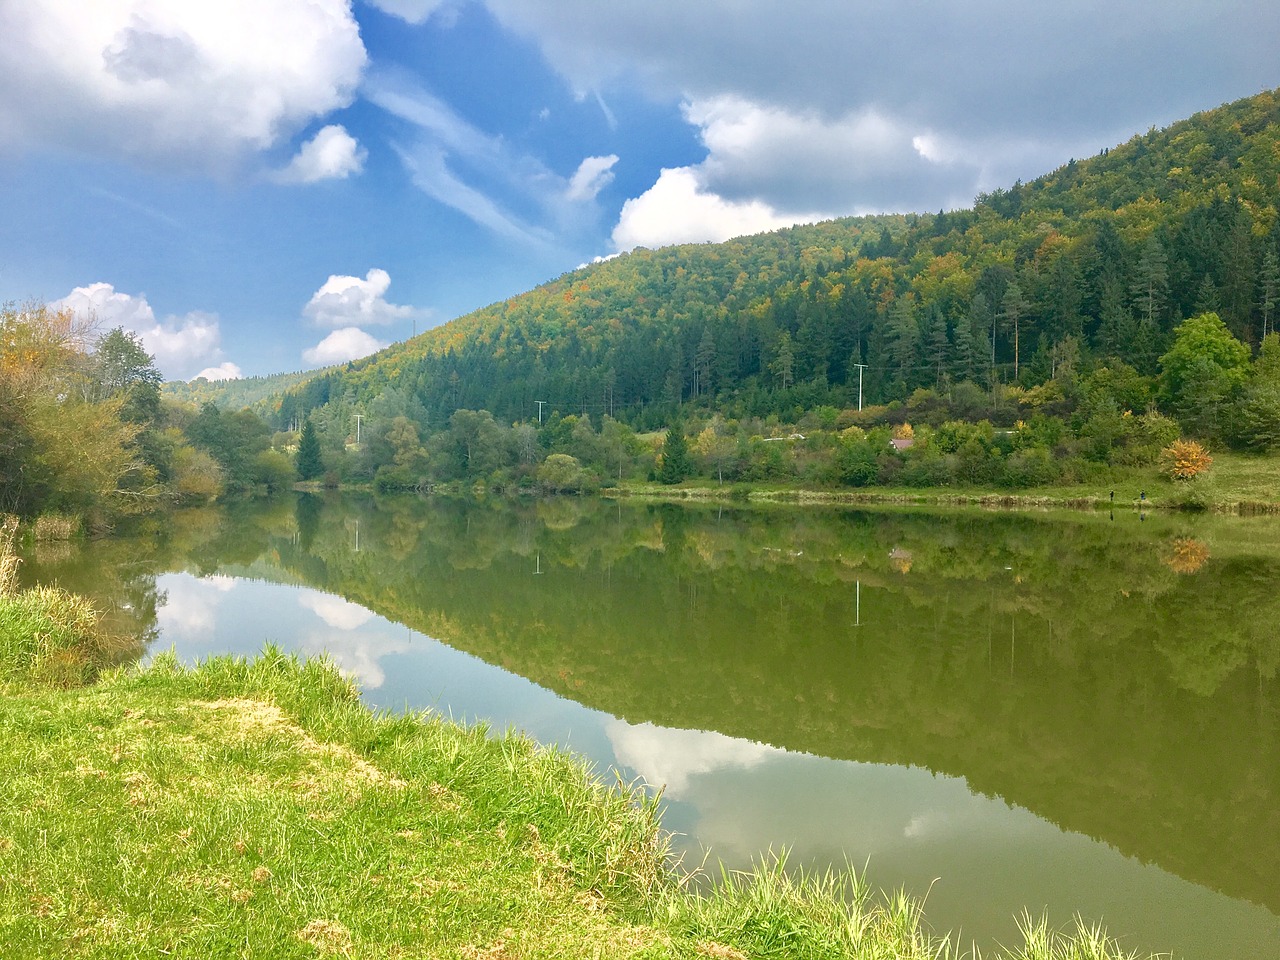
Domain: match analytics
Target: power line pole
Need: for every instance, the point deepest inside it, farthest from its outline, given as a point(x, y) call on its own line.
point(358, 417)
point(861, 367)
point(540, 404)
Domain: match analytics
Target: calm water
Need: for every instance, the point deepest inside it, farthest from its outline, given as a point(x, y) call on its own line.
point(1071, 713)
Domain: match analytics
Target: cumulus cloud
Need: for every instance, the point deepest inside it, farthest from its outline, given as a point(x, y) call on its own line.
point(677, 209)
point(180, 344)
point(349, 343)
point(893, 107)
point(196, 86)
point(349, 301)
point(223, 371)
point(332, 154)
point(592, 176)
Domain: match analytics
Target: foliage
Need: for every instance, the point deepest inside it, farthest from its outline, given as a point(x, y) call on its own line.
point(1184, 459)
point(676, 464)
point(560, 473)
point(65, 445)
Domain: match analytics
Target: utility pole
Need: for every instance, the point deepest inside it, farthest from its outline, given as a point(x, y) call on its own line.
point(540, 404)
point(861, 367)
point(358, 417)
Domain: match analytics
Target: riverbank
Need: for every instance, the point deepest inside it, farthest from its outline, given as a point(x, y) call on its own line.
point(259, 809)
point(1236, 484)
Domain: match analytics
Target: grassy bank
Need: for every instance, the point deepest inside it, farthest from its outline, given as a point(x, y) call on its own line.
point(259, 809)
point(1236, 483)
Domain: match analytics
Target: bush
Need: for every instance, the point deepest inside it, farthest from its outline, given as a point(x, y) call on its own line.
point(1184, 459)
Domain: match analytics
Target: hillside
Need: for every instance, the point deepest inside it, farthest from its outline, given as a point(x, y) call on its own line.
point(236, 394)
point(1098, 259)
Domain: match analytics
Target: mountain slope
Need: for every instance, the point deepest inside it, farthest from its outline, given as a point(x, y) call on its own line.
point(1100, 258)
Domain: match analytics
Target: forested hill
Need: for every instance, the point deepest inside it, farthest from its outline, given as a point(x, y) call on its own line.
point(238, 393)
point(1099, 259)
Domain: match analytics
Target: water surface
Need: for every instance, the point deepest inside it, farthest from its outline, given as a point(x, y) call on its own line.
point(1075, 713)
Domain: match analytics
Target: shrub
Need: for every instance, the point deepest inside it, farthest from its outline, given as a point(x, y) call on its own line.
point(1184, 459)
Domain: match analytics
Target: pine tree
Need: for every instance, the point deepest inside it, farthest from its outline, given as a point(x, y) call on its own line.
point(308, 463)
point(784, 361)
point(1269, 277)
point(675, 455)
point(1151, 283)
point(1015, 307)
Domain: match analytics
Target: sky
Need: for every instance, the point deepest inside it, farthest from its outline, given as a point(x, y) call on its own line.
point(260, 186)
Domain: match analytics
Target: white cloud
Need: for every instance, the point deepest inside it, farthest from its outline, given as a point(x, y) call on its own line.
point(592, 176)
point(677, 209)
point(332, 154)
point(769, 167)
point(410, 11)
point(349, 301)
point(190, 610)
point(196, 86)
point(668, 757)
point(179, 345)
point(223, 371)
point(349, 343)
point(509, 193)
point(904, 107)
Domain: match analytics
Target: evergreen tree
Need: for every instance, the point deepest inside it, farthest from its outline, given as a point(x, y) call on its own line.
point(675, 455)
point(1014, 309)
point(904, 340)
point(938, 345)
point(784, 361)
point(308, 462)
point(704, 363)
point(1151, 282)
point(1269, 278)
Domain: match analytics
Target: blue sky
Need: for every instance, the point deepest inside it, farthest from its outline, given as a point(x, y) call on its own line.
point(256, 186)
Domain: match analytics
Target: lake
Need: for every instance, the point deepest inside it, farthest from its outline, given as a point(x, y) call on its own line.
point(1076, 713)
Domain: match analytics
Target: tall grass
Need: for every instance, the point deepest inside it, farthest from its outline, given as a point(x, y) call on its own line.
point(49, 636)
point(54, 526)
point(8, 554)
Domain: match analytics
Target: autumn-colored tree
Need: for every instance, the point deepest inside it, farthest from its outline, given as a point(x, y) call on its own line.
point(1184, 459)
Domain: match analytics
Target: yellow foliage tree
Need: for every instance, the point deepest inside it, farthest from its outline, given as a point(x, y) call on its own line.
point(1184, 459)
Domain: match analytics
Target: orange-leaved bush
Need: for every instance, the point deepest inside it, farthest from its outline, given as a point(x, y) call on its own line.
point(1184, 459)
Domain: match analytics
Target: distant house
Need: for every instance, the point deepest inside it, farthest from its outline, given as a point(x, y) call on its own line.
point(902, 443)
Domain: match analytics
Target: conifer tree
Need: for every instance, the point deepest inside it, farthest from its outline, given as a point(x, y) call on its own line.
point(675, 455)
point(308, 463)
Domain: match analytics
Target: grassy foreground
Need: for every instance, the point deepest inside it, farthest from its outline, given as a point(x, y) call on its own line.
point(258, 809)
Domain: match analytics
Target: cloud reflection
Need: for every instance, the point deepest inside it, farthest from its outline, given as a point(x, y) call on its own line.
point(190, 611)
point(336, 612)
point(672, 758)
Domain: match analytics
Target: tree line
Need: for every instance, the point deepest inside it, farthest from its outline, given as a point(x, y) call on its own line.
point(84, 430)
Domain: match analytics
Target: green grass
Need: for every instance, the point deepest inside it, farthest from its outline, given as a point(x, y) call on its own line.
point(258, 809)
point(1234, 483)
point(49, 636)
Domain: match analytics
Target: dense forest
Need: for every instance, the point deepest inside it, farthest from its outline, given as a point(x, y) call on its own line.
point(1064, 298)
